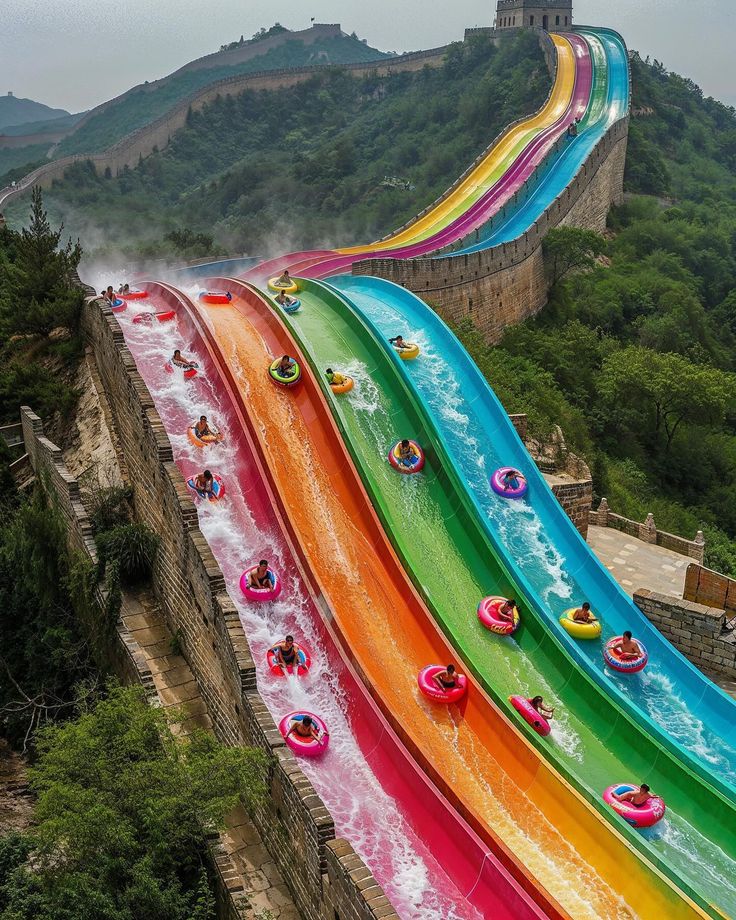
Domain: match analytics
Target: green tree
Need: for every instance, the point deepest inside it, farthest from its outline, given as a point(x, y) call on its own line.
point(568, 250)
point(39, 284)
point(662, 392)
point(121, 817)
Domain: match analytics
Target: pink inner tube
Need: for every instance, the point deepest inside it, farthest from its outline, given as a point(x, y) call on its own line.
point(645, 816)
point(218, 488)
point(429, 688)
point(215, 296)
point(260, 594)
point(624, 665)
point(489, 617)
point(416, 465)
point(530, 715)
point(304, 663)
point(498, 487)
point(134, 294)
point(305, 747)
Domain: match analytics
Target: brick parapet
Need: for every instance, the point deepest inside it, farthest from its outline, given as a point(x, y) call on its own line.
point(506, 284)
point(704, 586)
point(295, 824)
point(695, 630)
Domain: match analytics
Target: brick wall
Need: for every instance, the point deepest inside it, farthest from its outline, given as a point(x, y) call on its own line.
point(576, 498)
point(694, 629)
point(189, 586)
point(703, 586)
point(505, 285)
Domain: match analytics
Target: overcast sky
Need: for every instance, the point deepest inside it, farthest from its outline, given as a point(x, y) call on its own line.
point(74, 54)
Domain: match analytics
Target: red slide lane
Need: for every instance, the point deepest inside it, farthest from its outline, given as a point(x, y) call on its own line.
point(476, 871)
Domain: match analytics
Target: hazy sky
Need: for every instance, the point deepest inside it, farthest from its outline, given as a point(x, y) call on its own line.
point(76, 53)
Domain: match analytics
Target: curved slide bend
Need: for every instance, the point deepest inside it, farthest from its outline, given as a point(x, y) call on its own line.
point(389, 810)
point(453, 563)
point(609, 103)
point(568, 99)
point(478, 758)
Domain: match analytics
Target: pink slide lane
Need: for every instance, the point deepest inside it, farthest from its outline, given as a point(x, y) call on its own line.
point(428, 860)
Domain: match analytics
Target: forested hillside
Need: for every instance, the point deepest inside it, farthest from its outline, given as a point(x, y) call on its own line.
point(306, 166)
point(636, 357)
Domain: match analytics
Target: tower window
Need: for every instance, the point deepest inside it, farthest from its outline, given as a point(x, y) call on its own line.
point(557, 20)
point(565, 20)
point(531, 20)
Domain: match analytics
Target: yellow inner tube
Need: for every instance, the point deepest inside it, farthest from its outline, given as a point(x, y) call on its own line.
point(577, 629)
point(344, 387)
point(275, 285)
point(410, 352)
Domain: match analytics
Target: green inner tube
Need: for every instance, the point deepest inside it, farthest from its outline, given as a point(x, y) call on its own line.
point(279, 378)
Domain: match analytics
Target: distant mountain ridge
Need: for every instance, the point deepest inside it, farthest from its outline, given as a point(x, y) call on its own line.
point(15, 112)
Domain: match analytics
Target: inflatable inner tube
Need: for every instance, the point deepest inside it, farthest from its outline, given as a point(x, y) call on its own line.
point(289, 307)
point(428, 685)
point(187, 372)
point(344, 387)
point(218, 488)
point(206, 439)
point(489, 616)
point(577, 629)
point(304, 663)
point(118, 305)
point(276, 285)
point(215, 296)
point(410, 351)
point(260, 594)
point(530, 715)
point(498, 486)
point(282, 381)
point(134, 294)
point(622, 664)
point(645, 816)
point(305, 747)
point(414, 465)
point(148, 318)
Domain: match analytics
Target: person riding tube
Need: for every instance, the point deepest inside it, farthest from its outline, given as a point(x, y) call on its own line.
point(406, 456)
point(625, 654)
point(286, 656)
point(639, 806)
point(581, 623)
point(534, 713)
point(339, 383)
point(407, 350)
point(202, 433)
point(283, 283)
point(305, 733)
point(509, 482)
point(287, 304)
point(207, 485)
point(178, 360)
point(285, 371)
point(499, 614)
point(442, 685)
point(260, 583)
point(220, 297)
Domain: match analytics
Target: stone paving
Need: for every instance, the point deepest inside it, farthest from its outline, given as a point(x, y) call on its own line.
point(635, 564)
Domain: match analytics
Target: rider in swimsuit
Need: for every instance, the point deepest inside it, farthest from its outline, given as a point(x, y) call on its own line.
point(286, 652)
point(283, 298)
point(447, 679)
point(333, 377)
point(583, 614)
point(180, 361)
point(637, 799)
point(399, 344)
point(407, 454)
point(286, 367)
point(305, 728)
point(510, 480)
point(627, 648)
point(204, 482)
point(285, 279)
point(506, 610)
point(538, 703)
point(259, 577)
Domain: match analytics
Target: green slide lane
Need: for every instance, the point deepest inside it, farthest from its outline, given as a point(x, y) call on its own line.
point(430, 522)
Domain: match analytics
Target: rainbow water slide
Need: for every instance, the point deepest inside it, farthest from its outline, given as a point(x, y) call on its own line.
point(477, 195)
point(389, 810)
point(495, 778)
point(453, 563)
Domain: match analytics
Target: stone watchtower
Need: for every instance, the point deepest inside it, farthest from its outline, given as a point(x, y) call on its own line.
point(535, 14)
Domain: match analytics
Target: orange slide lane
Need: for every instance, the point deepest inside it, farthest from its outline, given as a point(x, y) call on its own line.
point(539, 826)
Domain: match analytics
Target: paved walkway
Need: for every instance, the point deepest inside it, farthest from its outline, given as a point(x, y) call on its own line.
point(635, 564)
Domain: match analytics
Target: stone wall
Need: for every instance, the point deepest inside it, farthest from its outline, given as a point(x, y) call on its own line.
point(190, 588)
point(156, 135)
point(694, 629)
point(576, 497)
point(505, 285)
point(703, 586)
point(647, 532)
